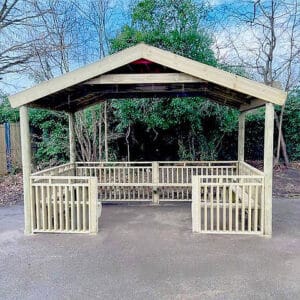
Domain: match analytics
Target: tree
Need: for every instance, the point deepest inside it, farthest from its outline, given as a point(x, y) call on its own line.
point(17, 18)
point(265, 39)
point(176, 26)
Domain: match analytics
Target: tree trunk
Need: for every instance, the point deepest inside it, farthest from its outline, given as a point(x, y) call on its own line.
point(105, 131)
point(281, 142)
point(127, 143)
point(100, 132)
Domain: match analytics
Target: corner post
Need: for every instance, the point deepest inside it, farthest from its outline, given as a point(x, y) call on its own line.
point(268, 167)
point(94, 212)
point(26, 167)
point(155, 181)
point(72, 137)
point(241, 137)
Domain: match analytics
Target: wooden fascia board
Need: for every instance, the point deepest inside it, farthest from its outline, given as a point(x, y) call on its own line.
point(214, 75)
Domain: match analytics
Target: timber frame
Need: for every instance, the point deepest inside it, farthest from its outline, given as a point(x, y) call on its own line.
point(143, 71)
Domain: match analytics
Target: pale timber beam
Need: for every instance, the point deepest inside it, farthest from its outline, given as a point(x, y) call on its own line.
point(268, 167)
point(144, 78)
point(26, 167)
point(241, 137)
point(72, 137)
point(256, 103)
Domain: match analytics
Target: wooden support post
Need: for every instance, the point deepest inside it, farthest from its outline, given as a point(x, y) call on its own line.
point(268, 167)
point(155, 180)
point(93, 206)
point(241, 138)
point(26, 164)
point(72, 137)
point(196, 205)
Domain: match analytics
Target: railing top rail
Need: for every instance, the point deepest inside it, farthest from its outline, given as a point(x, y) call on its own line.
point(253, 169)
point(199, 161)
point(62, 177)
point(52, 169)
point(112, 162)
point(229, 176)
point(113, 167)
point(199, 166)
point(160, 163)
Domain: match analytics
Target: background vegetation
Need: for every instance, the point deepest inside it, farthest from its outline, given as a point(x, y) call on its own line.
point(154, 129)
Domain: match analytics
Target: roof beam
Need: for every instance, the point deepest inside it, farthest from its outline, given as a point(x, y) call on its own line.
point(143, 78)
point(256, 103)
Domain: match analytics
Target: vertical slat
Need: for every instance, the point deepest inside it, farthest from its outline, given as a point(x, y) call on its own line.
point(243, 207)
point(236, 211)
point(55, 227)
point(49, 206)
point(230, 207)
point(249, 209)
point(43, 208)
point(84, 202)
point(224, 208)
point(67, 209)
point(78, 210)
point(262, 208)
point(72, 208)
point(255, 208)
point(218, 207)
point(33, 208)
point(211, 208)
point(205, 207)
point(61, 225)
point(38, 206)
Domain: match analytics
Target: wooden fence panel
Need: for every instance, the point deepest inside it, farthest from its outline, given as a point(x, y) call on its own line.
point(64, 204)
point(10, 148)
point(3, 161)
point(228, 204)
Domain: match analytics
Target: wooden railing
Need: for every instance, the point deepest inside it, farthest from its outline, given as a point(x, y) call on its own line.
point(246, 169)
point(64, 204)
point(150, 181)
point(229, 204)
point(61, 170)
point(227, 197)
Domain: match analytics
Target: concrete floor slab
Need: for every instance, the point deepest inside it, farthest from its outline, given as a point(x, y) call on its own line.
point(150, 253)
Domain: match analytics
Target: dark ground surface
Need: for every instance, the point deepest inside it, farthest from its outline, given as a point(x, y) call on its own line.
point(150, 253)
point(287, 183)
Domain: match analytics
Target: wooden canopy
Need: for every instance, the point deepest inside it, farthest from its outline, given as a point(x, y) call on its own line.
point(144, 71)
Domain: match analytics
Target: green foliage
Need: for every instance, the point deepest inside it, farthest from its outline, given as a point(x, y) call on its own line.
point(50, 133)
point(178, 128)
point(171, 25)
point(8, 114)
point(291, 125)
point(174, 26)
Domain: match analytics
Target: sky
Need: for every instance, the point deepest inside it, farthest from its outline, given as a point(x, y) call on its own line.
point(242, 36)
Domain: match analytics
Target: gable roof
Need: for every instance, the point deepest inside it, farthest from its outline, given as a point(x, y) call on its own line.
point(60, 92)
